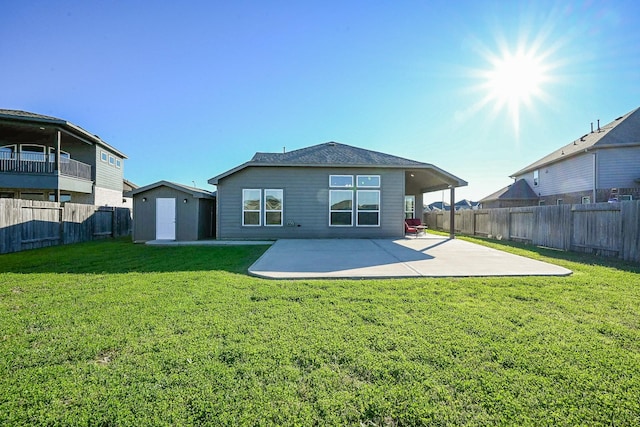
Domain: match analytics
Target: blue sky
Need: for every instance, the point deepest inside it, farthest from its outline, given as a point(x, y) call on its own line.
point(191, 89)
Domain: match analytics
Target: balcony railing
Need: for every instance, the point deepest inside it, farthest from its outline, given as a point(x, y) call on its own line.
point(42, 163)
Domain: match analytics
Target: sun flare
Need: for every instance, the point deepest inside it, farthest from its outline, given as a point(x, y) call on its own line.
point(516, 75)
point(513, 81)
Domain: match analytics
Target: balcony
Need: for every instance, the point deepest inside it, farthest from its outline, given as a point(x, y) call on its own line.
point(37, 163)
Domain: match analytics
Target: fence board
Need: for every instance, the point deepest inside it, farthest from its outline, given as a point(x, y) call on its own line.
point(630, 218)
point(608, 229)
point(26, 224)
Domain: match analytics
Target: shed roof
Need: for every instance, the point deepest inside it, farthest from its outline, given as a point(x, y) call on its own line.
point(195, 192)
point(334, 154)
point(18, 116)
point(623, 131)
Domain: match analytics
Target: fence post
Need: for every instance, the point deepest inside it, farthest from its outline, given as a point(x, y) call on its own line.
point(114, 222)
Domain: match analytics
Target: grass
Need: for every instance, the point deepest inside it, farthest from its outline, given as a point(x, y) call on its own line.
point(111, 333)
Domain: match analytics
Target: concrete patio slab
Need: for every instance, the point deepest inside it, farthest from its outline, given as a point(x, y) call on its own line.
point(209, 242)
point(426, 256)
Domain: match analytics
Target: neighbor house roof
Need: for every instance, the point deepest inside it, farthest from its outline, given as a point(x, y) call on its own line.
point(464, 203)
point(68, 127)
point(623, 131)
point(195, 192)
point(519, 190)
point(439, 206)
point(334, 154)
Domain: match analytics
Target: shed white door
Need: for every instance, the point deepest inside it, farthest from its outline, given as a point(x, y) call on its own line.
point(165, 219)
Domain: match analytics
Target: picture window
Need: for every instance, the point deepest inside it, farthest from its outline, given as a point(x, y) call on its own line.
point(251, 207)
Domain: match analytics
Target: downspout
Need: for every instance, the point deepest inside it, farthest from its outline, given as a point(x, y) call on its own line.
point(452, 214)
point(595, 177)
point(57, 165)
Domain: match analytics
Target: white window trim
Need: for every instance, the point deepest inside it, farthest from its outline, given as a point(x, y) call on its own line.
point(350, 211)
point(559, 202)
point(536, 177)
point(341, 186)
point(112, 160)
point(43, 153)
point(281, 210)
point(367, 211)
point(367, 176)
point(586, 200)
point(104, 156)
point(625, 197)
point(118, 163)
point(64, 156)
point(259, 210)
point(12, 154)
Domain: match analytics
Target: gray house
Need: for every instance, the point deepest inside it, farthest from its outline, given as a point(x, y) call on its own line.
point(46, 158)
point(169, 211)
point(601, 165)
point(329, 190)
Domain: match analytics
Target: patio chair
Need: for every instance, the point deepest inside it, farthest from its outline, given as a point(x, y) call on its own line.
point(414, 226)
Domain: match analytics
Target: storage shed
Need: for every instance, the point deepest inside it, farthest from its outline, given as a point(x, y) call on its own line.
point(170, 211)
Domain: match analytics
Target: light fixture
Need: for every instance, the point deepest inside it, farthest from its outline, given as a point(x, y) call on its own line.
point(144, 199)
point(184, 201)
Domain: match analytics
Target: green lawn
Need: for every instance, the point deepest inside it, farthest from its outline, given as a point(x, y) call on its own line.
point(111, 333)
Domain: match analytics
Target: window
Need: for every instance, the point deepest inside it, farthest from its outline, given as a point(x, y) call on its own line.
point(64, 156)
point(103, 156)
point(251, 207)
point(112, 160)
point(340, 208)
point(34, 153)
point(367, 212)
point(625, 197)
point(273, 202)
point(586, 200)
point(8, 152)
point(343, 181)
point(409, 207)
point(536, 177)
point(118, 163)
point(368, 208)
point(559, 201)
point(541, 203)
point(7, 195)
point(64, 197)
point(31, 196)
point(368, 181)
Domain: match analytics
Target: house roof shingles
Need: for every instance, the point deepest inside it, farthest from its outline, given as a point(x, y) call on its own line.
point(519, 190)
point(624, 130)
point(333, 153)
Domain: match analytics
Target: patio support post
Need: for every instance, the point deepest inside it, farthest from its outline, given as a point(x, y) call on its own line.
point(452, 214)
point(57, 165)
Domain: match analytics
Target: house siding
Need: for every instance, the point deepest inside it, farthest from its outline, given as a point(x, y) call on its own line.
point(571, 175)
point(306, 203)
point(107, 175)
point(618, 167)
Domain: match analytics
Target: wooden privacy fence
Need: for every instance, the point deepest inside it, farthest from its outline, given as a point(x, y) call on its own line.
point(30, 224)
point(609, 229)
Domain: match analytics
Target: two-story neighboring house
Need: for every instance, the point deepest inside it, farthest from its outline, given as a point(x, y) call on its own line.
point(46, 158)
point(602, 165)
